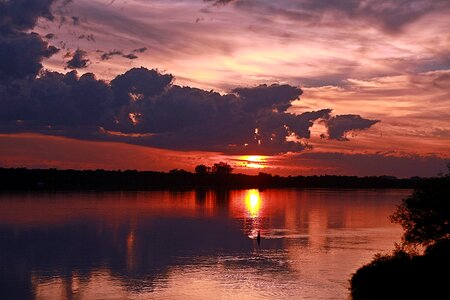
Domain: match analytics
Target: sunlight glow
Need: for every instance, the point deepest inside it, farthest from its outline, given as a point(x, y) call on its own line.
point(253, 161)
point(253, 203)
point(134, 118)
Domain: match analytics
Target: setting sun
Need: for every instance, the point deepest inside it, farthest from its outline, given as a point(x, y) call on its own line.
point(198, 149)
point(253, 161)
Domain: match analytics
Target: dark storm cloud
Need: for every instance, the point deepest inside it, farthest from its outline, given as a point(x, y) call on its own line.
point(389, 15)
point(276, 96)
point(21, 53)
point(339, 125)
point(18, 15)
point(79, 60)
point(55, 99)
point(143, 106)
point(189, 118)
point(139, 82)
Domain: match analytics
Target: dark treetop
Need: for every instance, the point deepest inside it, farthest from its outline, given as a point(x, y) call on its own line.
point(53, 179)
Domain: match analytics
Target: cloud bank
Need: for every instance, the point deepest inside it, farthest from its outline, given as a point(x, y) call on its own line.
point(21, 53)
point(143, 106)
point(389, 15)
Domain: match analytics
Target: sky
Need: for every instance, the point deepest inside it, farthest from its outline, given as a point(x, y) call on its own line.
point(291, 87)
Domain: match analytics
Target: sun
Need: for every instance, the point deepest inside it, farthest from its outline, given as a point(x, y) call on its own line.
point(253, 161)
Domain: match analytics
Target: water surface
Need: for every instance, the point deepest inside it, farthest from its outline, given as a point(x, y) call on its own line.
point(191, 245)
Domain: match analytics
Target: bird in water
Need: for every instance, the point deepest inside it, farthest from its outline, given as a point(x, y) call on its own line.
point(258, 238)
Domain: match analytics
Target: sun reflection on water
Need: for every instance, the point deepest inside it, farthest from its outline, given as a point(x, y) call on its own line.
point(253, 203)
point(145, 245)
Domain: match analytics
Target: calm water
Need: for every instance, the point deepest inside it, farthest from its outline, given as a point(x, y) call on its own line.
point(191, 245)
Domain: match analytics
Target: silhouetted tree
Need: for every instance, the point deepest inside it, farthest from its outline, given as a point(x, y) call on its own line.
point(53, 179)
point(425, 215)
point(425, 218)
point(402, 275)
point(202, 169)
point(179, 171)
point(221, 168)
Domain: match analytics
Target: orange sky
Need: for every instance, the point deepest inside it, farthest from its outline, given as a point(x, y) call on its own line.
point(383, 60)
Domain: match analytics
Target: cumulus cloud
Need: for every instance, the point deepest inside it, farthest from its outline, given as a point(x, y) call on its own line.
point(195, 119)
point(79, 60)
point(21, 53)
point(144, 107)
point(276, 96)
point(338, 126)
point(138, 83)
point(19, 15)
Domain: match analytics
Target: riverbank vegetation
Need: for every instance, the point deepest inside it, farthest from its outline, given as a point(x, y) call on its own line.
point(218, 176)
point(418, 267)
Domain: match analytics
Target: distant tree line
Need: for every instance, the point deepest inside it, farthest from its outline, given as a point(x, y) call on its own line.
point(218, 176)
point(220, 168)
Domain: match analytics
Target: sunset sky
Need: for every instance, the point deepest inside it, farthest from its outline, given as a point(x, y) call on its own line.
point(291, 87)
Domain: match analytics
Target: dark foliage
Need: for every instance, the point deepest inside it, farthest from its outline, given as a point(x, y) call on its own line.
point(53, 179)
point(425, 215)
point(202, 169)
point(405, 276)
point(221, 168)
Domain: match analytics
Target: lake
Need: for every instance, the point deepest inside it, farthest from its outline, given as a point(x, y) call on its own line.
point(191, 245)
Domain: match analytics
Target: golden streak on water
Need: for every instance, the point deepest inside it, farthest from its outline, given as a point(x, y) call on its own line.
point(253, 203)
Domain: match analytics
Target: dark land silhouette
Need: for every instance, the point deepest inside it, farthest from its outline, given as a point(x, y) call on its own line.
point(219, 176)
point(406, 273)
